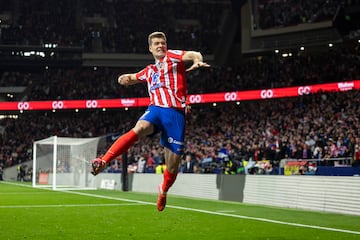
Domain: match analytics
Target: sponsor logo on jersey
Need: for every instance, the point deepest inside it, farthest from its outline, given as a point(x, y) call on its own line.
point(155, 81)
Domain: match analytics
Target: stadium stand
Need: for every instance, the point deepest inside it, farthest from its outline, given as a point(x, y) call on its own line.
point(273, 14)
point(104, 26)
point(303, 68)
point(261, 130)
point(297, 128)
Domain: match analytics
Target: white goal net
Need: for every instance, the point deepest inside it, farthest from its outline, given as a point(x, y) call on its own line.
point(63, 162)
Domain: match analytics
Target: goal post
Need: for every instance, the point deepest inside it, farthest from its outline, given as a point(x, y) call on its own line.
point(64, 162)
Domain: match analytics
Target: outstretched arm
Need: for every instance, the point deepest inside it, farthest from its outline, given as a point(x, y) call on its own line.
point(128, 79)
point(196, 58)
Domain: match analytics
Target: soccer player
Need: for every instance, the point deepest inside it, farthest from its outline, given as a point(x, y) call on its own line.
point(166, 83)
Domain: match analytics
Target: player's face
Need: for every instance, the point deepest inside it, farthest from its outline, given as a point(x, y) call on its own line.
point(158, 47)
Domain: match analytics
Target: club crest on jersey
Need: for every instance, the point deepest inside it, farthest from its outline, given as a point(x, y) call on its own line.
point(155, 81)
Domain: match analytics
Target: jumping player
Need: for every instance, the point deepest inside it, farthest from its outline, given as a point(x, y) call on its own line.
point(166, 83)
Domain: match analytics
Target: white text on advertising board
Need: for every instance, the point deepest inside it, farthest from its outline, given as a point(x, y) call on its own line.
point(91, 104)
point(57, 104)
point(267, 93)
point(23, 105)
point(195, 99)
point(230, 96)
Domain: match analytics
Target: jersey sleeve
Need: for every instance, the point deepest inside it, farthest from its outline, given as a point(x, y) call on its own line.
point(142, 74)
point(176, 54)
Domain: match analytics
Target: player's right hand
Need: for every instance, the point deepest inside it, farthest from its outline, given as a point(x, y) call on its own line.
point(124, 79)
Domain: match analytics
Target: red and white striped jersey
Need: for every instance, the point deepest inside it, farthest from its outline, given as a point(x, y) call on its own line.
point(166, 80)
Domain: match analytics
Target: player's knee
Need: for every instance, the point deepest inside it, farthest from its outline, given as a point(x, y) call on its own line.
point(142, 129)
point(172, 169)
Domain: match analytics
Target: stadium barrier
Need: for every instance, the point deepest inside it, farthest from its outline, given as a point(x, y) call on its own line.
point(323, 167)
point(338, 194)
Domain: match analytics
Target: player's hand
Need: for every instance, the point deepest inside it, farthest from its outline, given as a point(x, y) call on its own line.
point(124, 79)
point(187, 109)
point(197, 65)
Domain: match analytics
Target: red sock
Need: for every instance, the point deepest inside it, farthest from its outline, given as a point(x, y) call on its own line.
point(121, 145)
point(169, 179)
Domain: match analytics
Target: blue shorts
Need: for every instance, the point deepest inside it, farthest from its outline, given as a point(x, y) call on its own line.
point(170, 123)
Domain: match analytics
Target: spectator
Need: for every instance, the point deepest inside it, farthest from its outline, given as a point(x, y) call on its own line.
point(1, 173)
point(189, 164)
point(141, 165)
point(356, 162)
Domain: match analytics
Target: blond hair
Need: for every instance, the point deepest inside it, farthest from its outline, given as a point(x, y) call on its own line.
point(156, 35)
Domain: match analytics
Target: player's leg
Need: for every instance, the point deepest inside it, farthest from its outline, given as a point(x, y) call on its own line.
point(122, 144)
point(172, 161)
point(172, 138)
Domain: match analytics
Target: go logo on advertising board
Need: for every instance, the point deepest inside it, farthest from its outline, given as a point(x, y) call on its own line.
point(23, 105)
point(195, 99)
point(230, 96)
point(91, 104)
point(57, 104)
point(304, 90)
point(267, 93)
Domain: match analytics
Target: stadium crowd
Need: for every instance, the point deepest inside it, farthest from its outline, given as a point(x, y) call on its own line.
point(104, 26)
point(284, 13)
point(334, 65)
point(219, 139)
point(320, 126)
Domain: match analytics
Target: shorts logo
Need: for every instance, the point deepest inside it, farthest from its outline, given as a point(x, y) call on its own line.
point(180, 150)
point(171, 140)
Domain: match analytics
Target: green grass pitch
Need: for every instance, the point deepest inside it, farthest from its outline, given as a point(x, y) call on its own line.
point(34, 213)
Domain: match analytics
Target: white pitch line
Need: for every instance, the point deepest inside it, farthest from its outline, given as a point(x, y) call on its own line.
point(70, 205)
point(21, 193)
point(267, 220)
point(226, 211)
point(108, 197)
point(220, 213)
point(226, 214)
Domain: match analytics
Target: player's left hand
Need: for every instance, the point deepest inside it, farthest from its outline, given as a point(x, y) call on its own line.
point(187, 109)
point(197, 65)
